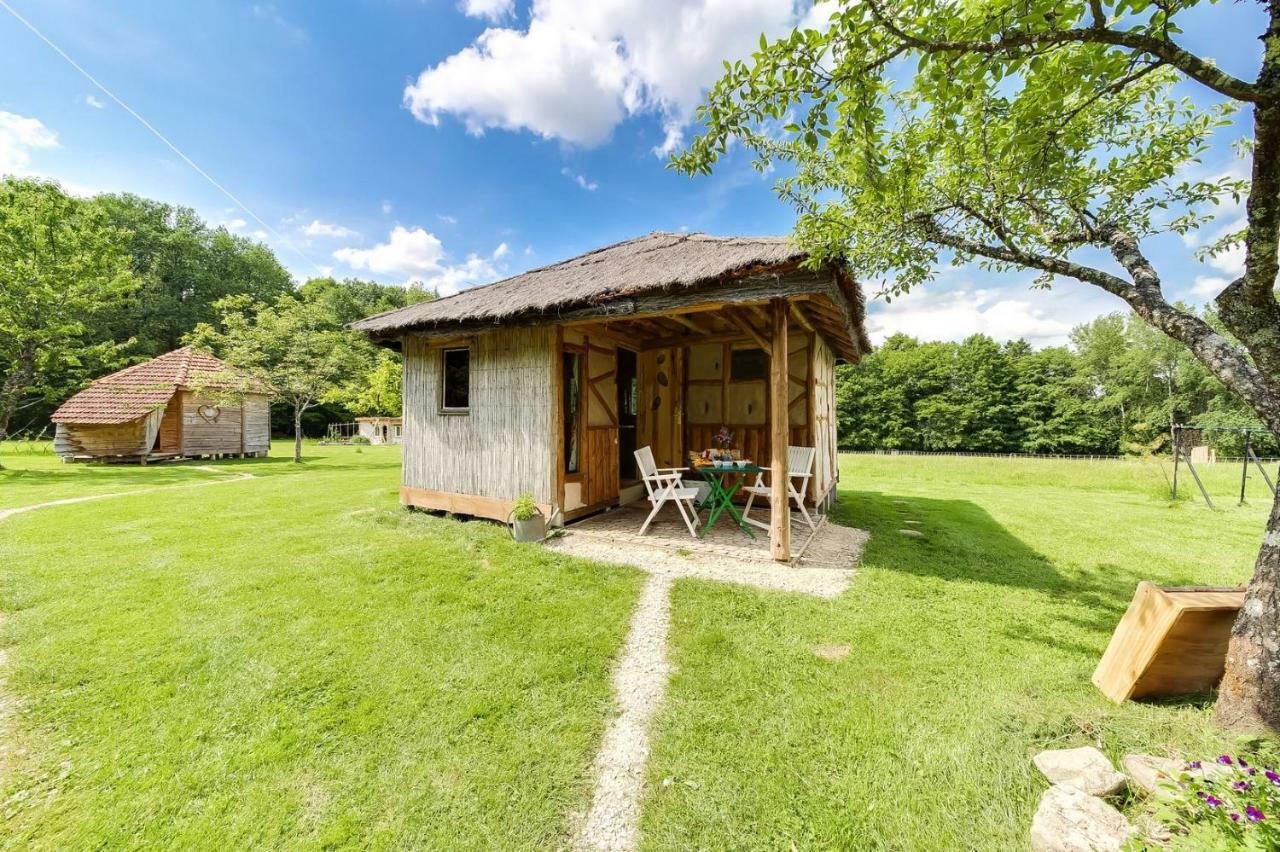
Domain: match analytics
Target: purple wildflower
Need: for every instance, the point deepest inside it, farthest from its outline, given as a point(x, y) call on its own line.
point(1254, 814)
point(1241, 786)
point(1215, 802)
point(1241, 761)
point(1195, 764)
point(1235, 817)
point(1225, 760)
point(1252, 771)
point(1273, 777)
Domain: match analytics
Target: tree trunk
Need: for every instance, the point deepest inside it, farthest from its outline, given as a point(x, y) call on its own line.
point(20, 377)
point(297, 435)
point(1249, 698)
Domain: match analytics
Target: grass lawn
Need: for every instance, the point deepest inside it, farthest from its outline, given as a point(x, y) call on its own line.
point(295, 661)
point(292, 661)
point(971, 650)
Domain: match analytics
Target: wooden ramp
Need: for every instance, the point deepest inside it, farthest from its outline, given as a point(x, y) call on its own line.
point(1170, 642)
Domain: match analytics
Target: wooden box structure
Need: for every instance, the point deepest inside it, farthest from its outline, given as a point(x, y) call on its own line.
point(548, 382)
point(1171, 641)
point(168, 407)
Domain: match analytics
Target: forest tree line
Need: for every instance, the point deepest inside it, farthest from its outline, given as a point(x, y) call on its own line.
point(1115, 390)
point(91, 285)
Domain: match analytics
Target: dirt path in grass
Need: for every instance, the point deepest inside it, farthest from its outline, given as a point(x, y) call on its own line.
point(640, 678)
point(639, 683)
point(66, 501)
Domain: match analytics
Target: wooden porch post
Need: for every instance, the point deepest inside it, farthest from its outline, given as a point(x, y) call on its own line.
point(779, 437)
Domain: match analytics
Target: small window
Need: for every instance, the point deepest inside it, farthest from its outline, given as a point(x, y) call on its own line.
point(456, 380)
point(748, 365)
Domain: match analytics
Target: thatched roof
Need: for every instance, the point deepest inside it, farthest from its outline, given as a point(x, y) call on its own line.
point(656, 262)
point(137, 391)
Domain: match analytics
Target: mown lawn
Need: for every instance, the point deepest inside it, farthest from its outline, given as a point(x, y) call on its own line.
point(291, 661)
point(971, 650)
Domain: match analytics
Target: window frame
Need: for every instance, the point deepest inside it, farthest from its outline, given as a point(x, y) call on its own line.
point(444, 376)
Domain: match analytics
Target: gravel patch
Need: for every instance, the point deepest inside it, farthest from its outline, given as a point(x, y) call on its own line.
point(822, 582)
point(639, 684)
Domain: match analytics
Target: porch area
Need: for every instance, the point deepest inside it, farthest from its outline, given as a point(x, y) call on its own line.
point(823, 560)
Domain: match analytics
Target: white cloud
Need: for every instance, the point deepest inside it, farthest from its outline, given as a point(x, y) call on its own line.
point(90, 100)
point(580, 180)
point(1230, 261)
point(19, 135)
point(937, 314)
point(580, 69)
point(236, 225)
point(327, 229)
point(447, 219)
point(494, 10)
point(1208, 286)
point(386, 208)
point(417, 256)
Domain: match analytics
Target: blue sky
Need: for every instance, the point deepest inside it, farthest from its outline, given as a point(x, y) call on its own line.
point(458, 141)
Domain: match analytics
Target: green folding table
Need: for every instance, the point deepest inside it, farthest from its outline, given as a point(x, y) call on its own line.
point(721, 497)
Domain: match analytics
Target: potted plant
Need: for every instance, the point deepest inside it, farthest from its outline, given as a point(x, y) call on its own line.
point(724, 440)
point(526, 519)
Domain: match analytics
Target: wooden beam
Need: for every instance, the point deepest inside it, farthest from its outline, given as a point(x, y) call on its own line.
point(779, 429)
point(688, 322)
point(682, 340)
point(745, 324)
point(798, 313)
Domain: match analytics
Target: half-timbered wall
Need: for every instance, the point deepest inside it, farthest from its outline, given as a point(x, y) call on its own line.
point(502, 446)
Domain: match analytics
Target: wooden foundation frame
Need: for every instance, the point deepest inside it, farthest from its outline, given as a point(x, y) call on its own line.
point(460, 504)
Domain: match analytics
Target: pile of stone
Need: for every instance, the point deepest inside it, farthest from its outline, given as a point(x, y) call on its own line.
point(1075, 817)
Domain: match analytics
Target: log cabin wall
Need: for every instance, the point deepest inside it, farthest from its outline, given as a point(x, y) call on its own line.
point(209, 427)
point(822, 406)
point(134, 438)
point(502, 445)
point(257, 423)
point(715, 397)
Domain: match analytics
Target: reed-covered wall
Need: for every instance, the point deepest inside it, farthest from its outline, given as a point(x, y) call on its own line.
point(503, 445)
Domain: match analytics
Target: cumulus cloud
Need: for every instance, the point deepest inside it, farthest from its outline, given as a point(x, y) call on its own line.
point(415, 255)
point(19, 136)
point(578, 69)
point(493, 10)
point(580, 180)
point(327, 229)
point(90, 100)
point(932, 314)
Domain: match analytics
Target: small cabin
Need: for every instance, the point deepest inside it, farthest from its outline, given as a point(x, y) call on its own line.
point(380, 430)
point(549, 381)
point(183, 404)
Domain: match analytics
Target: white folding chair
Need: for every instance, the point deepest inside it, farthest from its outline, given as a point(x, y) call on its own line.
point(664, 486)
point(799, 472)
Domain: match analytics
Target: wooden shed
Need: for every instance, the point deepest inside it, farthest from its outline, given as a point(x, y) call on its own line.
point(172, 406)
point(547, 382)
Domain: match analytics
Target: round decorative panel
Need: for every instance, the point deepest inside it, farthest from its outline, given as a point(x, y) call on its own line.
point(209, 412)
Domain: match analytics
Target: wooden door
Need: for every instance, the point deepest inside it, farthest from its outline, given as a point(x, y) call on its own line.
point(600, 447)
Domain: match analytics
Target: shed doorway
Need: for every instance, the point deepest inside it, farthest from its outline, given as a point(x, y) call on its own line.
point(628, 408)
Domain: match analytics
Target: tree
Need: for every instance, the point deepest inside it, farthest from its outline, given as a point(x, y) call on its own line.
point(296, 347)
point(1033, 135)
point(62, 265)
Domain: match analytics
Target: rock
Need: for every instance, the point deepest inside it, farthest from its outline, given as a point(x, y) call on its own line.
point(1146, 772)
point(1086, 769)
point(912, 533)
point(1071, 821)
point(912, 523)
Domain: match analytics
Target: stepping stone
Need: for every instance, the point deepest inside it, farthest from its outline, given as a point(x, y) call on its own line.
point(1069, 820)
point(912, 533)
point(913, 523)
point(1146, 772)
point(1085, 769)
point(832, 652)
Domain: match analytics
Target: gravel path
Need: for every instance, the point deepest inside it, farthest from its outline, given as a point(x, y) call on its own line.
point(66, 501)
point(639, 683)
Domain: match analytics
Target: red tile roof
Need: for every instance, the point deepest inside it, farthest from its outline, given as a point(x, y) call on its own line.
point(138, 390)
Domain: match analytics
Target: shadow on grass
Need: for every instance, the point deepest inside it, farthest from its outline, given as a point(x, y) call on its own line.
point(963, 543)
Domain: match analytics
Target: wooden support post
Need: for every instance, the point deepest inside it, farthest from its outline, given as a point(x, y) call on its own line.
point(779, 420)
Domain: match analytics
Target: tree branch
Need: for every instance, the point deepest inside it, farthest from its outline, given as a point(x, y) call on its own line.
point(1195, 67)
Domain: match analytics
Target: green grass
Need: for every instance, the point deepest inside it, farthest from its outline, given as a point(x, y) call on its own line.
point(971, 650)
point(294, 661)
